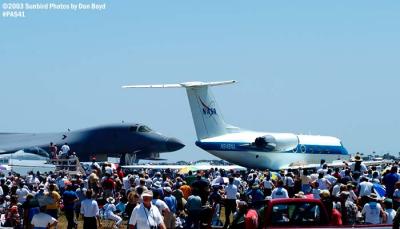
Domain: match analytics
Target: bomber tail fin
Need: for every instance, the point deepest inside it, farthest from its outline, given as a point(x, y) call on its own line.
point(207, 117)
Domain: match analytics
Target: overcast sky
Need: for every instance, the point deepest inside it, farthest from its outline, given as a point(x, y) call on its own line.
point(312, 67)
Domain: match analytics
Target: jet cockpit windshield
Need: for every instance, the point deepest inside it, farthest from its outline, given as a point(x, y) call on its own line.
point(140, 128)
point(144, 129)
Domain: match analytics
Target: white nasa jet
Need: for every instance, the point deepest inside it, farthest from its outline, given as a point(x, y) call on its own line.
point(246, 148)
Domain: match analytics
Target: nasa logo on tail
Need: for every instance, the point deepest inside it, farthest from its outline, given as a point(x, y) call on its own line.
point(208, 110)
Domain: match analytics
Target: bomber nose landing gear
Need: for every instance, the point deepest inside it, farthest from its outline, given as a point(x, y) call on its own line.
point(129, 159)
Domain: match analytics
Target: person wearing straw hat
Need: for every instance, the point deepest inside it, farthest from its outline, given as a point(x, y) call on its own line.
point(146, 215)
point(109, 210)
point(373, 211)
point(357, 165)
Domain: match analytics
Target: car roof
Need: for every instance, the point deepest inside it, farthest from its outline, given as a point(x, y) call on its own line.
point(294, 200)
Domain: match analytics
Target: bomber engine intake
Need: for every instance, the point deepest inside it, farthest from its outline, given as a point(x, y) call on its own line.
point(266, 142)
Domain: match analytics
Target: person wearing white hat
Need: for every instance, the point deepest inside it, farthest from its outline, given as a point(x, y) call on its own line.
point(146, 215)
point(157, 177)
point(109, 210)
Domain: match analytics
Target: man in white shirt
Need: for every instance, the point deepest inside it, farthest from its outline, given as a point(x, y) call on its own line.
point(90, 211)
point(237, 180)
point(268, 185)
point(21, 193)
point(323, 183)
point(230, 200)
point(365, 187)
point(329, 177)
point(336, 189)
point(65, 149)
point(126, 182)
point(364, 190)
point(43, 220)
point(146, 215)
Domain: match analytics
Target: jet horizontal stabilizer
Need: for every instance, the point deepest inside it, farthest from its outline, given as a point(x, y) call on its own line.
point(185, 85)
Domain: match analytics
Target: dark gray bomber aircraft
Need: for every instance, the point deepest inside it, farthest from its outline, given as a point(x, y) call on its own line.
point(130, 142)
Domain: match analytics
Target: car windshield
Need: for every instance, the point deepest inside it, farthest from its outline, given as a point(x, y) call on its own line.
point(295, 214)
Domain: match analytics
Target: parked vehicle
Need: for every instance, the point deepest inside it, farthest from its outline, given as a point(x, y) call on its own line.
point(301, 213)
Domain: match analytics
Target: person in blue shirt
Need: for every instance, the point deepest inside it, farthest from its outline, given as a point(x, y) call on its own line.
point(121, 204)
point(170, 200)
point(256, 195)
point(389, 180)
point(172, 204)
point(69, 199)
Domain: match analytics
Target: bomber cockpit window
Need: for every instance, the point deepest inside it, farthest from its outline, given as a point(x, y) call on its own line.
point(144, 129)
point(133, 128)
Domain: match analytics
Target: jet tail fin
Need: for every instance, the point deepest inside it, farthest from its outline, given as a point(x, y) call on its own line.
point(206, 115)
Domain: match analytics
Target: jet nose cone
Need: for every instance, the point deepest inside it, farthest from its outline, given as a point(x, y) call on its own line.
point(174, 144)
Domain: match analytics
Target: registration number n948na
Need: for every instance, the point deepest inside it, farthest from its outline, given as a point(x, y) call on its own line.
point(228, 146)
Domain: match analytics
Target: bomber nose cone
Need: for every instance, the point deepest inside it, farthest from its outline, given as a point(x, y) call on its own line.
point(174, 144)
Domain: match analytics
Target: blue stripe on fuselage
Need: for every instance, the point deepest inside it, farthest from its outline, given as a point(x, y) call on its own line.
point(301, 148)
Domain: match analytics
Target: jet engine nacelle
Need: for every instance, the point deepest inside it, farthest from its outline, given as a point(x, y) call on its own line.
point(276, 142)
point(266, 142)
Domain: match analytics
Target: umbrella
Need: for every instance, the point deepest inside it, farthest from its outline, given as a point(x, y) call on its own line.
point(3, 167)
point(274, 175)
point(379, 190)
point(186, 169)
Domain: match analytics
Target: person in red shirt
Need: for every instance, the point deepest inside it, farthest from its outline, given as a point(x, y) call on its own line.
point(336, 216)
point(251, 219)
point(120, 173)
point(108, 186)
point(336, 174)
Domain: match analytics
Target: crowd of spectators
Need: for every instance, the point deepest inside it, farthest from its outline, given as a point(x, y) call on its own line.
point(168, 199)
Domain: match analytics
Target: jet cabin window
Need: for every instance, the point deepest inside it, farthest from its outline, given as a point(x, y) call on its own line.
point(144, 129)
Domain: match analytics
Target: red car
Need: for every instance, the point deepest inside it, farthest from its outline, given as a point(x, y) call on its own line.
point(301, 213)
